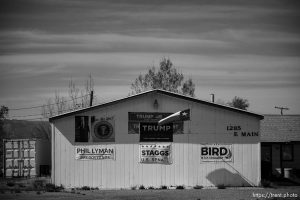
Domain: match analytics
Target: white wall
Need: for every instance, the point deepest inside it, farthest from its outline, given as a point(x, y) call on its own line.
point(207, 126)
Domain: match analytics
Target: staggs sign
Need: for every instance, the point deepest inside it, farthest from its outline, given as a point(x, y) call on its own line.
point(155, 153)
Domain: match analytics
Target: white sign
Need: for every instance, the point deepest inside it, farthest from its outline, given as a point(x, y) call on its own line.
point(216, 152)
point(155, 153)
point(95, 152)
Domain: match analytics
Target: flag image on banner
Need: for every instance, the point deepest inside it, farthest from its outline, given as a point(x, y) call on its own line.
point(178, 116)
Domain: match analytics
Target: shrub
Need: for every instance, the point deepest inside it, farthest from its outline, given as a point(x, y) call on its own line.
point(265, 183)
point(17, 190)
point(198, 187)
point(180, 187)
point(151, 188)
point(85, 188)
point(38, 184)
point(141, 187)
point(53, 188)
point(133, 187)
point(221, 186)
point(21, 185)
point(10, 184)
point(163, 187)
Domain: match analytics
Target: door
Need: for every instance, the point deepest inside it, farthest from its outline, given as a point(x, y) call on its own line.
point(266, 161)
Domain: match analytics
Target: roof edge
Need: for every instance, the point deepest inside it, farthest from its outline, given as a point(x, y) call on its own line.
point(51, 119)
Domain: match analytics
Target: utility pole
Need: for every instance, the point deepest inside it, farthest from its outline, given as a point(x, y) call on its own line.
point(212, 98)
point(91, 98)
point(281, 109)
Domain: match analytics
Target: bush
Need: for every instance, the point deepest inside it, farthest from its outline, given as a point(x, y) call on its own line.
point(180, 187)
point(21, 185)
point(141, 187)
point(10, 183)
point(221, 186)
point(265, 183)
point(17, 190)
point(85, 188)
point(133, 187)
point(53, 188)
point(163, 187)
point(198, 187)
point(151, 188)
point(38, 184)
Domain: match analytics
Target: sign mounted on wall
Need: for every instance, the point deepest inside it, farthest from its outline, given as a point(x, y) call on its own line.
point(237, 130)
point(216, 152)
point(94, 152)
point(103, 130)
point(155, 153)
point(152, 132)
point(135, 118)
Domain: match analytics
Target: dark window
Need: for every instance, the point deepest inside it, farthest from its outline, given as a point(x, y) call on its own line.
point(82, 129)
point(287, 152)
point(44, 170)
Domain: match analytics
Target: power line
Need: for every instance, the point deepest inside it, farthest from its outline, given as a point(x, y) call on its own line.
point(28, 115)
point(43, 118)
point(47, 104)
point(61, 112)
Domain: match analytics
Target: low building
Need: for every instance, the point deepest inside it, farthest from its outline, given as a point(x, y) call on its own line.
point(26, 149)
point(280, 145)
point(119, 144)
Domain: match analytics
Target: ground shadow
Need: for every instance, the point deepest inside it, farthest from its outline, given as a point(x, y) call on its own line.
point(227, 178)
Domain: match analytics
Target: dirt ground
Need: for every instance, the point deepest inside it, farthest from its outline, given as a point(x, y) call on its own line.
point(187, 194)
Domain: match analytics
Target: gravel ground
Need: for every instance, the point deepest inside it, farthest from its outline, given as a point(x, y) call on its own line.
point(201, 194)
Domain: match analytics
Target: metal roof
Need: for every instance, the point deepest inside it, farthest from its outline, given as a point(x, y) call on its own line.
point(158, 91)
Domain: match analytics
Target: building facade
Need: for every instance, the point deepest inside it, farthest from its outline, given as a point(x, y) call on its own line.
point(119, 145)
point(280, 146)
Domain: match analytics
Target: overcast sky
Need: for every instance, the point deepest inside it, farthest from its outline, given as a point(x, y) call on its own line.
point(249, 49)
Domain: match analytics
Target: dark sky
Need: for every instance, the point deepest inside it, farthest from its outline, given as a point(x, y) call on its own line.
point(240, 48)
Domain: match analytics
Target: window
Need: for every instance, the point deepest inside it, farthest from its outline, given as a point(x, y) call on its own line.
point(44, 170)
point(81, 128)
point(287, 152)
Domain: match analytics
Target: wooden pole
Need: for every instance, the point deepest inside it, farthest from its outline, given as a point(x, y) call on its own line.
point(91, 98)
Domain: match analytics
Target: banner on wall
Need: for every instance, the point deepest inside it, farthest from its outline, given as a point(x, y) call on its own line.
point(95, 152)
point(152, 132)
point(216, 152)
point(156, 154)
point(136, 118)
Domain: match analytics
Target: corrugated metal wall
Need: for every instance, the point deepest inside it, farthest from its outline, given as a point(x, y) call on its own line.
point(207, 126)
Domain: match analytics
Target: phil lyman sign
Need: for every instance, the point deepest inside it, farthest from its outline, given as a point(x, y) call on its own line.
point(94, 152)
